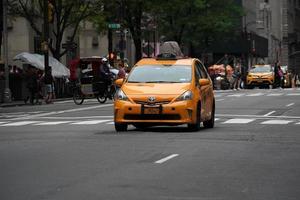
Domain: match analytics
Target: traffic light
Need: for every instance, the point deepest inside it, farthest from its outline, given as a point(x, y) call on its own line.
point(50, 12)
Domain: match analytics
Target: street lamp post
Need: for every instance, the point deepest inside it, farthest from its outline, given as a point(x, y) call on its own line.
point(46, 38)
point(7, 92)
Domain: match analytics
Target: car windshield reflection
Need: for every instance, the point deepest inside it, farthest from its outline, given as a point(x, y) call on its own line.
point(161, 74)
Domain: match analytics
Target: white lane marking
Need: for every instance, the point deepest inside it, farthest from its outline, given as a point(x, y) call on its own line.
point(71, 101)
point(291, 104)
point(274, 94)
point(166, 158)
point(269, 113)
point(220, 99)
point(68, 101)
point(90, 122)
point(255, 95)
point(218, 95)
point(258, 116)
point(111, 123)
point(63, 111)
point(276, 122)
point(87, 117)
point(293, 94)
point(3, 122)
point(217, 119)
point(298, 123)
point(235, 95)
point(238, 121)
point(51, 123)
point(22, 123)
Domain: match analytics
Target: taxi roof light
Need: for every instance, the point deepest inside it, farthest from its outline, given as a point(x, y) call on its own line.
point(169, 51)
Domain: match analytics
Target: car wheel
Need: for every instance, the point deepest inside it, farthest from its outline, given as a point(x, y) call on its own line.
point(210, 123)
point(121, 127)
point(196, 126)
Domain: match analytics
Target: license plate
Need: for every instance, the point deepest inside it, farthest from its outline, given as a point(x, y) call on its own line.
point(151, 111)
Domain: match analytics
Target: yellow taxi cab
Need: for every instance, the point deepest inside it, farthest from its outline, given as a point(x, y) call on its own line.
point(165, 91)
point(260, 75)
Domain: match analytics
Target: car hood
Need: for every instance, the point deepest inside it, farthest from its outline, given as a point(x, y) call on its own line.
point(261, 74)
point(155, 88)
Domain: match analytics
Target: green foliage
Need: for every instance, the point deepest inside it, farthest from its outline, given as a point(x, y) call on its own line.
point(67, 15)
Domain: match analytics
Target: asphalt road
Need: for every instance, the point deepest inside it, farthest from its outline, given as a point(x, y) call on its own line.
point(64, 151)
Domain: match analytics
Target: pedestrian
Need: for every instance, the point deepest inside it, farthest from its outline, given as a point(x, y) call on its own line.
point(121, 72)
point(237, 76)
point(276, 76)
point(32, 86)
point(280, 76)
point(48, 79)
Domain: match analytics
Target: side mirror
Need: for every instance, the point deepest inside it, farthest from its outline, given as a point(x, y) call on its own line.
point(204, 81)
point(119, 82)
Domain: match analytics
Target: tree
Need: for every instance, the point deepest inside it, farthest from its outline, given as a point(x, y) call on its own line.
point(1, 25)
point(67, 16)
point(130, 14)
point(197, 22)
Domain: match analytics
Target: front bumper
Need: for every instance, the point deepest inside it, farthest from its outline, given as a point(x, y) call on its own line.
point(260, 81)
point(172, 113)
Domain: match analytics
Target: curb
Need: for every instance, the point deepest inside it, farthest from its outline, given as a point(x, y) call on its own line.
point(21, 103)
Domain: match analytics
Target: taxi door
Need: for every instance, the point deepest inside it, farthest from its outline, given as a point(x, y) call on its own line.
point(205, 92)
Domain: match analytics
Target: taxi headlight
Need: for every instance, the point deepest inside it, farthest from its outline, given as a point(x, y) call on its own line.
point(188, 95)
point(120, 95)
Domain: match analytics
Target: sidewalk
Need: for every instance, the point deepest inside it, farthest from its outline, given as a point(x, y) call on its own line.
point(22, 103)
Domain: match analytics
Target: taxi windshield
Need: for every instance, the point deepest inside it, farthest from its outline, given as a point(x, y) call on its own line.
point(161, 74)
point(261, 69)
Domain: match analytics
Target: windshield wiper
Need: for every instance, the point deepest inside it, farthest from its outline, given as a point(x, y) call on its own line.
point(162, 82)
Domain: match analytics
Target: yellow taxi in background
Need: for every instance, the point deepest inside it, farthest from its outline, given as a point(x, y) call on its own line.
point(261, 76)
point(165, 91)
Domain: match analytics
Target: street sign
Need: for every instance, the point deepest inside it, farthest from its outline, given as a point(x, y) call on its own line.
point(69, 45)
point(114, 26)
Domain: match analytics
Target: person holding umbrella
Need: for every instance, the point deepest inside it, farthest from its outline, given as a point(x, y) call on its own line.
point(48, 79)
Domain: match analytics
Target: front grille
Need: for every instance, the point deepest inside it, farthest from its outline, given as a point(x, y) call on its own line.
point(154, 103)
point(152, 117)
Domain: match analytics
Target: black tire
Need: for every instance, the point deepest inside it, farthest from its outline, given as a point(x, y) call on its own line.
point(121, 127)
point(196, 126)
point(78, 97)
point(210, 123)
point(141, 126)
point(101, 99)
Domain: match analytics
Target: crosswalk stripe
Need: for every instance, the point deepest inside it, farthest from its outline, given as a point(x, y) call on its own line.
point(298, 123)
point(255, 95)
point(3, 122)
point(274, 94)
point(111, 123)
point(276, 122)
point(238, 121)
point(235, 95)
point(21, 123)
point(90, 122)
point(293, 94)
point(52, 123)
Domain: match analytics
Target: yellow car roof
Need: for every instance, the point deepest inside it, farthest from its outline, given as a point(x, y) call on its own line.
point(153, 61)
